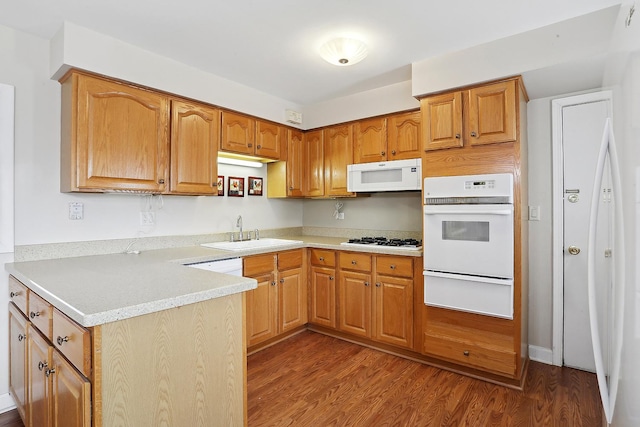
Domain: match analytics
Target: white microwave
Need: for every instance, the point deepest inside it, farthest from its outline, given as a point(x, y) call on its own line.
point(394, 175)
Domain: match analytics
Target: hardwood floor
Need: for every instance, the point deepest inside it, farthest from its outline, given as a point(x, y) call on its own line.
point(315, 380)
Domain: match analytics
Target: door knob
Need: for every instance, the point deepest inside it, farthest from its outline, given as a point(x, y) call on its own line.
point(574, 250)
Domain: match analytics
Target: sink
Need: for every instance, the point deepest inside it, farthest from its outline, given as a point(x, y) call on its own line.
point(250, 244)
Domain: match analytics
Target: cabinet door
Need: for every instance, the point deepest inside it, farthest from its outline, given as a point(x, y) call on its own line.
point(122, 137)
point(442, 121)
point(71, 405)
point(355, 303)
point(194, 148)
point(492, 113)
point(394, 311)
point(238, 133)
point(295, 163)
point(314, 163)
point(270, 139)
point(39, 389)
point(404, 136)
point(292, 293)
point(18, 360)
point(370, 140)
point(323, 297)
point(262, 303)
point(338, 153)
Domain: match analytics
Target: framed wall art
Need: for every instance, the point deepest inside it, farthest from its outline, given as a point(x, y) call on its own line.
point(220, 185)
point(255, 186)
point(236, 187)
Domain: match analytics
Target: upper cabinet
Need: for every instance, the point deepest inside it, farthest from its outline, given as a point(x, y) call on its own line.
point(114, 136)
point(338, 153)
point(243, 134)
point(481, 115)
point(194, 148)
point(394, 137)
point(286, 178)
point(313, 159)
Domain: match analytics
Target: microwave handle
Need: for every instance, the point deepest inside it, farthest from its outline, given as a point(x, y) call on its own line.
point(468, 212)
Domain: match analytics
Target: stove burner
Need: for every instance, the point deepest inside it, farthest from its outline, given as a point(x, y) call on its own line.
point(383, 241)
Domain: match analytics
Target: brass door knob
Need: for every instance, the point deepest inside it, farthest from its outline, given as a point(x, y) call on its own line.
point(573, 250)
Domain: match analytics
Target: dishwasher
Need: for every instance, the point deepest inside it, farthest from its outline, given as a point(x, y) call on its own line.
point(232, 266)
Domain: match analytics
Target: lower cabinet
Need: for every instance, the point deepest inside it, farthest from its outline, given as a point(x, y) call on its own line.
point(18, 378)
point(279, 303)
point(322, 307)
point(376, 297)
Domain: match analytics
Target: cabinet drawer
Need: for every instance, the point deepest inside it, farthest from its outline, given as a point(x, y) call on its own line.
point(323, 257)
point(73, 341)
point(18, 294)
point(257, 265)
point(353, 261)
point(394, 266)
point(289, 259)
point(497, 360)
point(41, 314)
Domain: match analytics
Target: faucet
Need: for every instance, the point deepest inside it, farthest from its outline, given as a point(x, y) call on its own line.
point(239, 225)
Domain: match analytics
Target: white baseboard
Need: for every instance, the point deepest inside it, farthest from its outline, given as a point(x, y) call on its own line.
point(6, 403)
point(541, 354)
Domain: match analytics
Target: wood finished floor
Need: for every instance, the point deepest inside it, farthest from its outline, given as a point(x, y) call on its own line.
point(315, 380)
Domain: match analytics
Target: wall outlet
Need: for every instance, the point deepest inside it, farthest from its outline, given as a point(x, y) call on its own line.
point(147, 218)
point(340, 215)
point(76, 210)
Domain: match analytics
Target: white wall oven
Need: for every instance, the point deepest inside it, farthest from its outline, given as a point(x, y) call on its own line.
point(469, 243)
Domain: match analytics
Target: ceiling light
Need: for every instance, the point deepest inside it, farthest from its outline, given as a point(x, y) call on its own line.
point(343, 51)
point(239, 162)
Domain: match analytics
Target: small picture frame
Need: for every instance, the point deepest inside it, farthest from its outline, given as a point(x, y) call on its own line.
point(255, 186)
point(220, 185)
point(236, 187)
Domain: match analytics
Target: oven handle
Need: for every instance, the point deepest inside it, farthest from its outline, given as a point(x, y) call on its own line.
point(428, 211)
point(481, 279)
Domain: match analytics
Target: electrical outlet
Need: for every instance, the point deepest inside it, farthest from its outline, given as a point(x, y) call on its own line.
point(76, 210)
point(147, 218)
point(340, 215)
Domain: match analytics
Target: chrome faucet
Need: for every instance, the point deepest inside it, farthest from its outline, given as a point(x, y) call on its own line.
point(239, 225)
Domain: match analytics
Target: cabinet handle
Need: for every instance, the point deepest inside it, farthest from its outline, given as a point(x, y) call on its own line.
point(466, 353)
point(50, 371)
point(273, 283)
point(392, 266)
point(161, 181)
point(330, 277)
point(366, 283)
point(383, 153)
point(473, 134)
point(250, 145)
point(14, 294)
point(34, 314)
point(258, 146)
point(42, 365)
point(281, 280)
point(457, 136)
point(61, 340)
point(393, 152)
point(21, 337)
point(291, 188)
point(353, 262)
point(378, 284)
point(321, 258)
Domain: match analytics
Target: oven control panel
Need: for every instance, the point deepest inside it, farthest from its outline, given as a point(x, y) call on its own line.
point(459, 188)
point(476, 185)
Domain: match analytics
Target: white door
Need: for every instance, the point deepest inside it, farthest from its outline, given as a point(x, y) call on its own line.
point(582, 128)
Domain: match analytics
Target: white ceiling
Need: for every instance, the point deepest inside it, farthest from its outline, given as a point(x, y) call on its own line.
point(272, 45)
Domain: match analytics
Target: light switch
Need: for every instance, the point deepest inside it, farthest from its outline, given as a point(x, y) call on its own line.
point(534, 213)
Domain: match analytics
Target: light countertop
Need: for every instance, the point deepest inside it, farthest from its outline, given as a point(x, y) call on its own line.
point(99, 289)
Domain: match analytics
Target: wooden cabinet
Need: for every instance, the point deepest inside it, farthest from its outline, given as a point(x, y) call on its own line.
point(286, 178)
point(114, 136)
point(376, 297)
point(481, 115)
point(48, 389)
point(194, 148)
point(242, 134)
point(279, 303)
point(394, 137)
point(322, 310)
point(314, 164)
point(338, 153)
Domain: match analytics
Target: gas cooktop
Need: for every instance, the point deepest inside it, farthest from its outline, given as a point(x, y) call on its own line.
point(405, 244)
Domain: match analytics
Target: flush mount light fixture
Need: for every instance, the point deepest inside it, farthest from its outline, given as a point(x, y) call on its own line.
point(343, 51)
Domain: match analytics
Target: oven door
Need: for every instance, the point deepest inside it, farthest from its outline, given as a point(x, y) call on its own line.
point(469, 239)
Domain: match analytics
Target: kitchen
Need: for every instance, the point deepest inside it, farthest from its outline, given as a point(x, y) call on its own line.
point(41, 220)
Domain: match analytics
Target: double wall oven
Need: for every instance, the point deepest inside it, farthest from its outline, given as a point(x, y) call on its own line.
point(469, 243)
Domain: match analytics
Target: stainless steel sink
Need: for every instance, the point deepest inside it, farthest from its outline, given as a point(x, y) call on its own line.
point(245, 245)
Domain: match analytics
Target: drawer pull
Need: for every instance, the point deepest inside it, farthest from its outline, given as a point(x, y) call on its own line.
point(330, 277)
point(466, 353)
point(353, 262)
point(273, 283)
point(383, 153)
point(42, 365)
point(161, 181)
point(61, 340)
point(392, 266)
point(14, 294)
point(21, 337)
point(34, 314)
point(281, 280)
point(366, 283)
point(50, 371)
point(321, 258)
point(393, 152)
point(378, 284)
